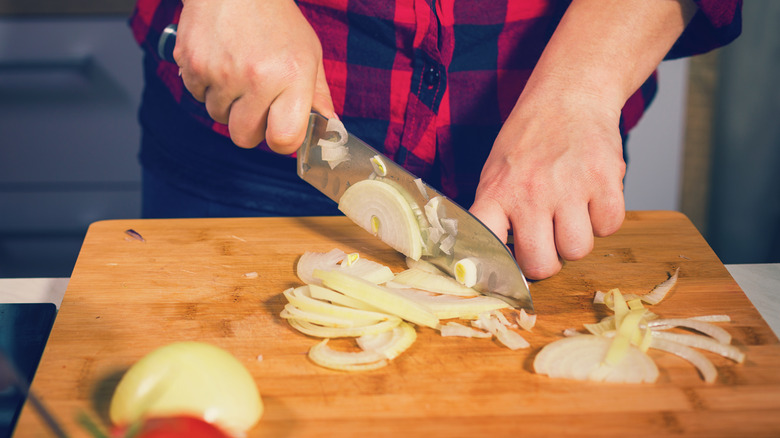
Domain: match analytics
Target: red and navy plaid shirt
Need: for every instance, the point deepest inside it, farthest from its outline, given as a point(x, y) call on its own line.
point(431, 82)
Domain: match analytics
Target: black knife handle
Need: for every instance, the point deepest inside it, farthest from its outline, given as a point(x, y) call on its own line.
point(167, 43)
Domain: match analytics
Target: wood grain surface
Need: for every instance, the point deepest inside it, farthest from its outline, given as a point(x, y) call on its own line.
point(187, 281)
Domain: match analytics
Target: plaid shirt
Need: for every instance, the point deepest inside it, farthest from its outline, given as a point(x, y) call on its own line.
point(429, 83)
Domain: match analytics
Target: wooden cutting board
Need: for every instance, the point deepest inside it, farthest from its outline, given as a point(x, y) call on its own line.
point(193, 280)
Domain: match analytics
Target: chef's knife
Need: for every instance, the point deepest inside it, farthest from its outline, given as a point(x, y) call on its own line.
point(498, 274)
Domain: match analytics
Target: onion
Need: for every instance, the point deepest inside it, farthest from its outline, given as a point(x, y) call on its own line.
point(325, 356)
point(705, 367)
point(378, 296)
point(447, 243)
point(466, 272)
point(450, 306)
point(627, 330)
point(580, 358)
point(711, 330)
point(380, 209)
point(368, 270)
point(334, 152)
point(310, 261)
point(320, 331)
point(454, 329)
point(423, 266)
point(496, 324)
point(292, 312)
point(189, 378)
point(421, 187)
point(438, 283)
point(659, 292)
point(298, 297)
point(322, 293)
point(704, 343)
point(389, 344)
point(525, 320)
point(379, 166)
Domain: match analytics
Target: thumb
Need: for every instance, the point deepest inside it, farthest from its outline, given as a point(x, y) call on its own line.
point(490, 213)
point(323, 102)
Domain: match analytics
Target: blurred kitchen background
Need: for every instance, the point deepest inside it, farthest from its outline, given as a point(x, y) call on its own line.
point(70, 81)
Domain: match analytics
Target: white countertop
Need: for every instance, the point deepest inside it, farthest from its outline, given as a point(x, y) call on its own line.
point(761, 283)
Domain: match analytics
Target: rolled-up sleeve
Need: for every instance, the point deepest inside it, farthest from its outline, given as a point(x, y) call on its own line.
point(715, 24)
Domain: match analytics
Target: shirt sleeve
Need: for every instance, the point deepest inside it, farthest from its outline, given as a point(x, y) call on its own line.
point(715, 24)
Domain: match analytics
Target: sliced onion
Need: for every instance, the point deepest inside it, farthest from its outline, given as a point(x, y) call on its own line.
point(447, 243)
point(441, 284)
point(323, 355)
point(711, 330)
point(627, 330)
point(708, 371)
point(380, 209)
point(389, 344)
point(378, 296)
point(310, 261)
point(423, 266)
point(466, 272)
point(292, 312)
point(453, 328)
point(319, 331)
point(368, 270)
point(301, 298)
point(712, 318)
point(571, 332)
point(379, 165)
point(493, 323)
point(450, 306)
point(659, 292)
point(526, 321)
point(421, 187)
point(334, 126)
point(704, 343)
point(580, 358)
point(322, 293)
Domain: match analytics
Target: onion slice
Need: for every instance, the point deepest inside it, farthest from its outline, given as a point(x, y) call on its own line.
point(450, 306)
point(453, 328)
point(310, 261)
point(431, 282)
point(378, 296)
point(301, 298)
point(319, 331)
point(708, 371)
point(718, 333)
point(323, 355)
point(704, 343)
point(382, 210)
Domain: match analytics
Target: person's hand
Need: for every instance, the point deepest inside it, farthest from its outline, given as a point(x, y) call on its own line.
point(555, 176)
point(257, 65)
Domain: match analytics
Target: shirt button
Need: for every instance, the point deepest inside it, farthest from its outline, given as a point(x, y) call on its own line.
point(431, 76)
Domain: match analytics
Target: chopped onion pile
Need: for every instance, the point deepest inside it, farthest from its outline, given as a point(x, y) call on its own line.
point(347, 296)
point(615, 348)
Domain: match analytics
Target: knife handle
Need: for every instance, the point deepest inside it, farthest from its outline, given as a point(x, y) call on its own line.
point(167, 43)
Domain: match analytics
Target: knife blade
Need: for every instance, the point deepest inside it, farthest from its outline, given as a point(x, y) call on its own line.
point(498, 273)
